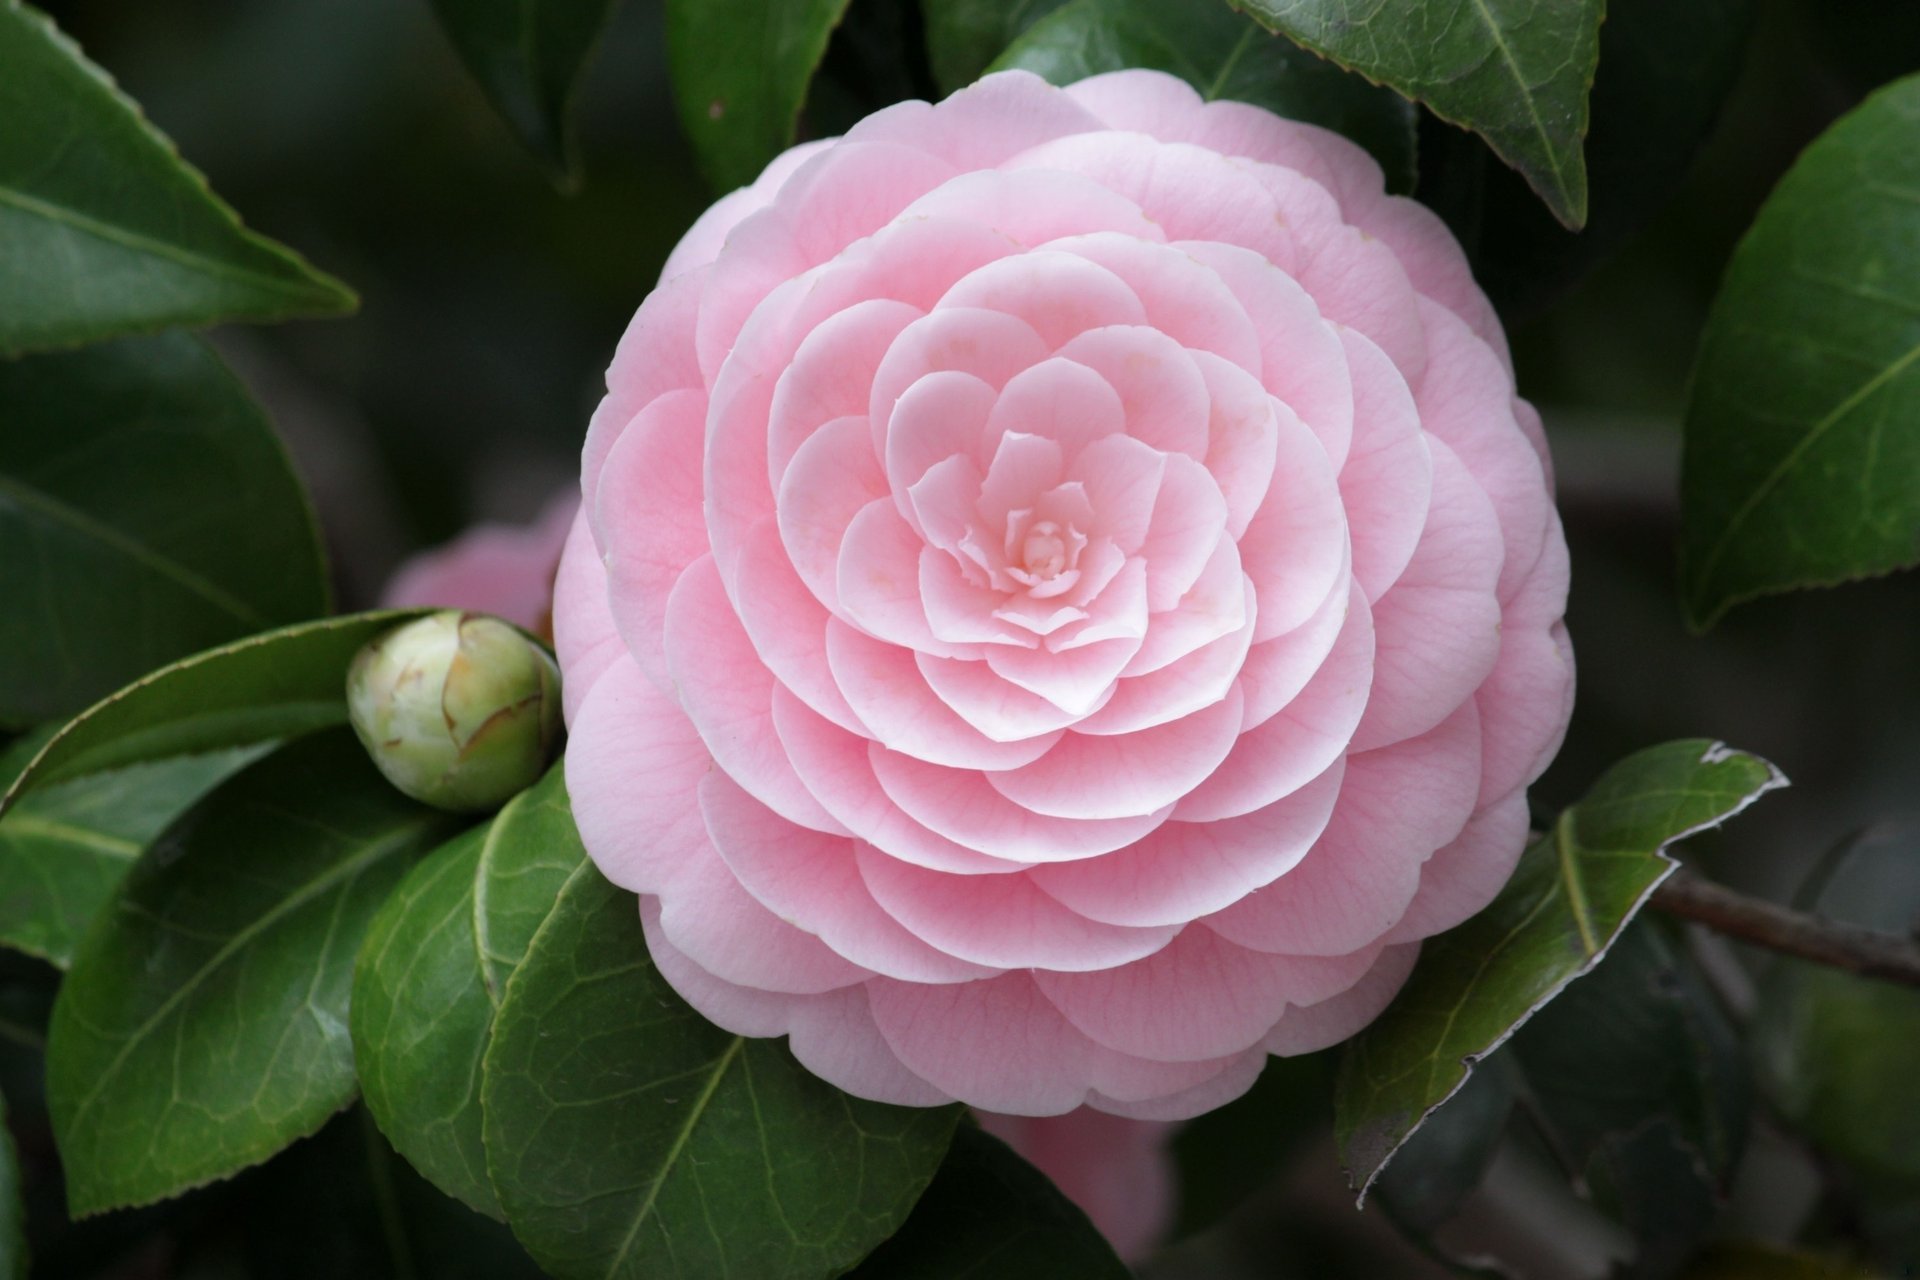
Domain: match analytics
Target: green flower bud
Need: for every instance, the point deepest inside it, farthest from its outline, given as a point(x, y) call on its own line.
point(458, 710)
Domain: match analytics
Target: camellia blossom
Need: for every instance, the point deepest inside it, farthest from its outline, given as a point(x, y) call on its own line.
point(1066, 599)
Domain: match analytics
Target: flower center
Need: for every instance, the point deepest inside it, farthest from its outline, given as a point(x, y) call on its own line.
point(1044, 551)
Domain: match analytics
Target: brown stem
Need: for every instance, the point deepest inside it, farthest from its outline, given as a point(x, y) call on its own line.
point(1872, 953)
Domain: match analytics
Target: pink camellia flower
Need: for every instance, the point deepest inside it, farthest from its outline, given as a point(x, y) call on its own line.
point(1066, 599)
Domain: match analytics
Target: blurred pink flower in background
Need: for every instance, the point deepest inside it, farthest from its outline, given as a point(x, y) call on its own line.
point(503, 569)
point(1067, 598)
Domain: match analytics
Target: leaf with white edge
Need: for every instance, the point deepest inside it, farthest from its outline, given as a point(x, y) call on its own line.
point(203, 1025)
point(148, 511)
point(629, 1137)
point(529, 57)
point(107, 231)
point(1573, 892)
point(963, 36)
point(276, 685)
point(431, 974)
point(1516, 72)
point(1223, 55)
point(989, 1213)
point(64, 848)
point(740, 74)
point(1801, 463)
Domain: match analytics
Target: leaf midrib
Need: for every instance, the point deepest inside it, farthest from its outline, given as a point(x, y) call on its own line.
point(387, 845)
point(680, 1140)
point(1526, 95)
point(105, 535)
point(180, 255)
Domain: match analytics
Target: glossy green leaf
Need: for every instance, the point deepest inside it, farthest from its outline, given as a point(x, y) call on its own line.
point(1840, 1054)
point(1664, 70)
point(203, 1025)
point(963, 36)
point(107, 230)
point(277, 685)
point(1643, 1085)
point(991, 1214)
point(529, 57)
point(64, 848)
point(1445, 1159)
point(629, 1137)
point(148, 510)
point(1223, 55)
point(1801, 465)
point(740, 74)
point(1516, 72)
point(431, 974)
point(1573, 892)
point(13, 1215)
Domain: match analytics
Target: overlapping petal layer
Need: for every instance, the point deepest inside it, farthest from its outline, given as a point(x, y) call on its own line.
point(1066, 598)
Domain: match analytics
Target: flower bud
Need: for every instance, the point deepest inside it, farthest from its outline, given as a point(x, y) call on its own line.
point(458, 710)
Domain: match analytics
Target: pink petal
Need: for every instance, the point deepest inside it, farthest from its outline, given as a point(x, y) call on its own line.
point(961, 613)
point(836, 767)
point(1525, 702)
point(1319, 1026)
point(633, 761)
point(939, 421)
point(1276, 670)
point(1060, 401)
point(1241, 438)
point(647, 521)
point(1002, 711)
point(1122, 478)
point(788, 627)
point(655, 356)
point(1232, 1078)
point(1119, 1170)
point(1124, 775)
point(1198, 997)
point(877, 583)
point(1358, 281)
point(1462, 877)
point(1219, 603)
point(1295, 549)
point(701, 244)
point(1163, 398)
point(1189, 519)
point(831, 375)
point(958, 804)
point(1000, 1045)
point(1438, 630)
point(1186, 303)
point(1388, 479)
point(1057, 294)
point(831, 480)
point(983, 124)
point(716, 924)
point(1397, 805)
point(886, 690)
point(943, 345)
point(1031, 208)
point(728, 694)
point(1435, 263)
point(584, 636)
point(1198, 679)
point(1148, 102)
point(1000, 921)
point(1024, 467)
point(1293, 746)
point(811, 881)
point(1301, 361)
point(1185, 870)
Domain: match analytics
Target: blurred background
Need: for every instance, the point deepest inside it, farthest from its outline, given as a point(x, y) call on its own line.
point(491, 304)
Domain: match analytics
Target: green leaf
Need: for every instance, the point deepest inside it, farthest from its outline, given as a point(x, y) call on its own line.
point(107, 230)
point(1445, 1159)
point(1664, 70)
point(1801, 465)
point(64, 848)
point(1839, 1054)
point(628, 1137)
point(1573, 892)
point(148, 510)
point(1516, 72)
point(963, 36)
point(1642, 1085)
point(203, 1026)
point(431, 974)
point(1223, 55)
point(13, 1214)
point(277, 685)
point(990, 1213)
point(740, 74)
point(529, 57)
